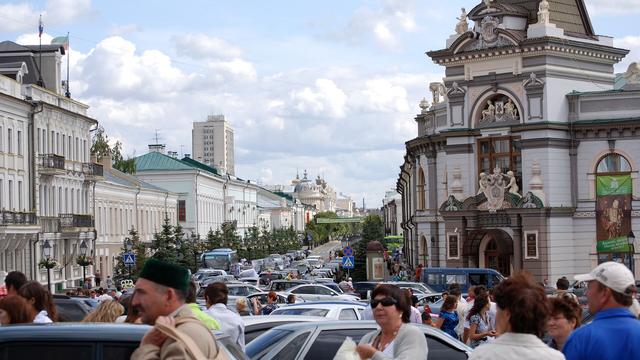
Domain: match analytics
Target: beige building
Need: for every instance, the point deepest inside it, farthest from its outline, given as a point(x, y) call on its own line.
point(212, 143)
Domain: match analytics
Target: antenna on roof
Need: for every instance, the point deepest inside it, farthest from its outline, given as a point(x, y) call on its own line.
point(181, 152)
point(157, 136)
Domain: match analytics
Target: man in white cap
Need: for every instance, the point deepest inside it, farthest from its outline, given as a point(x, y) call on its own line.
point(614, 332)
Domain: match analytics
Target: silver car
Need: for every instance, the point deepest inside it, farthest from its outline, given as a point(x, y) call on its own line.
point(319, 341)
point(317, 292)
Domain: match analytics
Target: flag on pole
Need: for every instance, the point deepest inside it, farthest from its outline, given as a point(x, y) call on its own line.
point(62, 41)
point(40, 27)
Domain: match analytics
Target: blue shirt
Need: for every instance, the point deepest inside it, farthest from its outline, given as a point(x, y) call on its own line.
point(613, 334)
point(450, 322)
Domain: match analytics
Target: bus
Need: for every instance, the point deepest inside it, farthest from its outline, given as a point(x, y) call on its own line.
point(222, 259)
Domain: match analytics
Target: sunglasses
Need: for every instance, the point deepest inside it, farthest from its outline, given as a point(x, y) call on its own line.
point(385, 302)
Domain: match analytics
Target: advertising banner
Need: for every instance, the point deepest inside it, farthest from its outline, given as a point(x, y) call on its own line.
point(613, 212)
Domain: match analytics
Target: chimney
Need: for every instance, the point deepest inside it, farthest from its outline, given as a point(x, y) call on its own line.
point(187, 156)
point(106, 162)
point(157, 148)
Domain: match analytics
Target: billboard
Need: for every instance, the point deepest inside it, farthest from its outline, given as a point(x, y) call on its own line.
point(613, 212)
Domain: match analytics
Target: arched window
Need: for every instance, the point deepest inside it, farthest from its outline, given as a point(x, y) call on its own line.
point(421, 194)
point(613, 163)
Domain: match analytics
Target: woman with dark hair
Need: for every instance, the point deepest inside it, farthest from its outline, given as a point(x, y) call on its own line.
point(396, 339)
point(15, 309)
point(480, 330)
point(565, 317)
point(40, 300)
point(520, 322)
point(448, 319)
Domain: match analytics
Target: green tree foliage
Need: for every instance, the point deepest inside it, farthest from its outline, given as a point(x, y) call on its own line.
point(127, 165)
point(122, 271)
point(163, 244)
point(189, 250)
point(372, 229)
point(100, 144)
point(322, 233)
point(100, 148)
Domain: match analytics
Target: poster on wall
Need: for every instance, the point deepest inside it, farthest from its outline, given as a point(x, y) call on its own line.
point(613, 213)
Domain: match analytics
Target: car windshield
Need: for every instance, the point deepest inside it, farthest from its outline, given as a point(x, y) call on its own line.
point(264, 342)
point(297, 311)
point(217, 261)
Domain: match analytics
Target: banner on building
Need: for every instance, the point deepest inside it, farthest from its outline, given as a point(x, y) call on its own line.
point(613, 212)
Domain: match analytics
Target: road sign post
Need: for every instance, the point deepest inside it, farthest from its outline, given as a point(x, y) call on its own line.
point(129, 259)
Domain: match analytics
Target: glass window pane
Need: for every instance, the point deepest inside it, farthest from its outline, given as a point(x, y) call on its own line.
point(485, 165)
point(327, 343)
point(484, 147)
point(501, 146)
point(613, 163)
point(290, 351)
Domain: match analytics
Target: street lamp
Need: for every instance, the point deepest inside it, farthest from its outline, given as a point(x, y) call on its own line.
point(46, 253)
point(83, 255)
point(631, 239)
point(128, 245)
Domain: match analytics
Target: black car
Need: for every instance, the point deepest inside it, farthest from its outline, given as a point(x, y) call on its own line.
point(363, 287)
point(71, 308)
point(81, 341)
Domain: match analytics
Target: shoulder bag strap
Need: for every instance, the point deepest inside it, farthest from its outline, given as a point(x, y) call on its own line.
point(179, 336)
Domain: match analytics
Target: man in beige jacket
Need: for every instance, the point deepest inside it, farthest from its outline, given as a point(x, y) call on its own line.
point(160, 298)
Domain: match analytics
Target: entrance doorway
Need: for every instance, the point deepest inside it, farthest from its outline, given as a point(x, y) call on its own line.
point(495, 259)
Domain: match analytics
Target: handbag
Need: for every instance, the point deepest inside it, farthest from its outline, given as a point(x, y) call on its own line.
point(190, 346)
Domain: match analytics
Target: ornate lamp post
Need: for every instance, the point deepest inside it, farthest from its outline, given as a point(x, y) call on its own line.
point(631, 239)
point(46, 262)
point(128, 245)
point(83, 261)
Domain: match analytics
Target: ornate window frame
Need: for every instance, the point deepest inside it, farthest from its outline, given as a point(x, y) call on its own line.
point(527, 255)
point(450, 255)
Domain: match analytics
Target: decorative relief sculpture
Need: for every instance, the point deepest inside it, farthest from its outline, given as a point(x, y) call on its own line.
point(532, 81)
point(535, 183)
point(495, 190)
point(424, 106)
point(482, 183)
point(512, 186)
point(462, 26)
point(633, 74)
point(489, 26)
point(543, 12)
point(501, 109)
point(455, 90)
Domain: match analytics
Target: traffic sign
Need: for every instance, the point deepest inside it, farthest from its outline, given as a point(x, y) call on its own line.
point(129, 258)
point(347, 251)
point(348, 262)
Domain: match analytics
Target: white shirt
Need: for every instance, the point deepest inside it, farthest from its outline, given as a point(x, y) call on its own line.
point(509, 346)
point(42, 318)
point(230, 322)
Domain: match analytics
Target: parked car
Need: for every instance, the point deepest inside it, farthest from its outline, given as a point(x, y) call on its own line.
point(71, 308)
point(416, 287)
point(364, 287)
point(267, 277)
point(202, 273)
point(316, 292)
point(321, 340)
point(255, 326)
point(83, 341)
point(338, 310)
point(284, 285)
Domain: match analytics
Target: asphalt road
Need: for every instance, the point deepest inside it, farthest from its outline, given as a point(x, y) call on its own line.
point(324, 249)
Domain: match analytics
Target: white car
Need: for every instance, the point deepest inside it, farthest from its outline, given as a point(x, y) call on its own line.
point(317, 292)
point(339, 310)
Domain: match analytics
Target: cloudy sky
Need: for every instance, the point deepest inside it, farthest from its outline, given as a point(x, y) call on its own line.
point(330, 86)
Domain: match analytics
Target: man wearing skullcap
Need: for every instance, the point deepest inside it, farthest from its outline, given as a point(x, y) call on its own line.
point(160, 294)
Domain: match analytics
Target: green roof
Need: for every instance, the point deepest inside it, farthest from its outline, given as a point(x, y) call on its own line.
point(199, 165)
point(159, 161)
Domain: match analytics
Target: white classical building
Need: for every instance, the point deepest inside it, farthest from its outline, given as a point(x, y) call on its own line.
point(278, 210)
point(213, 143)
point(315, 193)
point(527, 156)
point(123, 202)
point(53, 153)
point(206, 199)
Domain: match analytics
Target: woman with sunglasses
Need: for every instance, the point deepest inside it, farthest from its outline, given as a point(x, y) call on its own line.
point(396, 339)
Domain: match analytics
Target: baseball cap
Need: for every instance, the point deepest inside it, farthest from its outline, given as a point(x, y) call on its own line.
point(612, 275)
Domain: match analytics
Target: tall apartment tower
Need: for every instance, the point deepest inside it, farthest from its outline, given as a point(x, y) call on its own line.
point(212, 142)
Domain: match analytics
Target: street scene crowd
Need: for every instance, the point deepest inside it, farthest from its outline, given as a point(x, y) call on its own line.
point(516, 319)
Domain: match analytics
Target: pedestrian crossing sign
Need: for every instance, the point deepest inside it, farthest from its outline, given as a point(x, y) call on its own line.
point(348, 262)
point(129, 258)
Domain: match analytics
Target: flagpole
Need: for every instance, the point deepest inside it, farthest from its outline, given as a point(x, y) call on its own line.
point(40, 30)
point(68, 93)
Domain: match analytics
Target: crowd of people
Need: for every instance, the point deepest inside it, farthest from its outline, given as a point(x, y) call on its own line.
point(515, 319)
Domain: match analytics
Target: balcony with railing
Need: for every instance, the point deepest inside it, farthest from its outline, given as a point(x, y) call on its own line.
point(51, 164)
point(16, 218)
point(93, 171)
point(75, 221)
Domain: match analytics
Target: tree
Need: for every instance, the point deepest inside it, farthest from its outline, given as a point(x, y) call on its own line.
point(372, 229)
point(100, 144)
point(163, 244)
point(127, 165)
point(214, 239)
point(100, 148)
point(122, 271)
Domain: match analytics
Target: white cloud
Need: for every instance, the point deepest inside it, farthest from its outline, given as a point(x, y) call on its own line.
point(14, 16)
point(199, 46)
point(124, 29)
point(24, 17)
point(608, 7)
point(64, 11)
point(237, 69)
point(325, 99)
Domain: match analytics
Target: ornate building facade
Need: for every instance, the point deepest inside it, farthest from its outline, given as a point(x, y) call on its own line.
point(525, 157)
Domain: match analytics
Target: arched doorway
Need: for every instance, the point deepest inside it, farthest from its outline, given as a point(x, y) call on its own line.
point(495, 259)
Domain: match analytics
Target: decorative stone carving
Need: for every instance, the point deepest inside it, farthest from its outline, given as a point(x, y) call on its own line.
point(532, 82)
point(438, 91)
point(499, 110)
point(633, 74)
point(455, 90)
point(456, 185)
point(462, 26)
point(487, 3)
point(489, 26)
point(482, 183)
point(543, 12)
point(535, 183)
point(495, 190)
point(452, 204)
point(530, 201)
point(512, 186)
point(424, 106)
